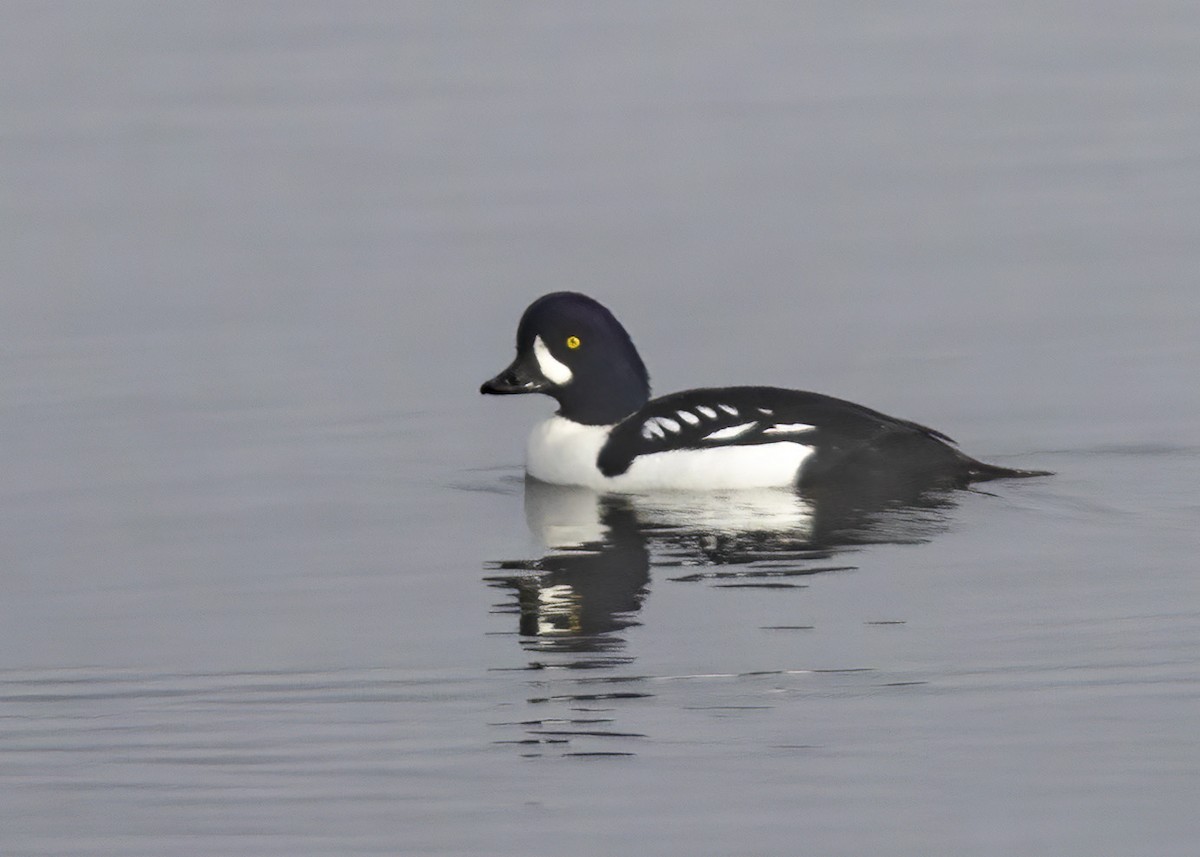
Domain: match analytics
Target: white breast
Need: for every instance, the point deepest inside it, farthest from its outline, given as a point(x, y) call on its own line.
point(564, 452)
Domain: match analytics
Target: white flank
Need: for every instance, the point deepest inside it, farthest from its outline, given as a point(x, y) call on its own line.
point(729, 432)
point(555, 370)
point(729, 409)
point(788, 428)
point(707, 411)
point(689, 418)
point(762, 465)
point(563, 452)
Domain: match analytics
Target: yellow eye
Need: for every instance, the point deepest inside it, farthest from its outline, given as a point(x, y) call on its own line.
point(573, 342)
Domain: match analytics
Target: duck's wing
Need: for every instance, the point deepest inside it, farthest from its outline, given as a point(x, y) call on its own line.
point(744, 416)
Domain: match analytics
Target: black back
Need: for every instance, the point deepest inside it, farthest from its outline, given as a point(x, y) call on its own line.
point(846, 437)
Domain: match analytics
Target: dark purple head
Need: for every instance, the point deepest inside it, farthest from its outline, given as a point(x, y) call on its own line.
point(572, 348)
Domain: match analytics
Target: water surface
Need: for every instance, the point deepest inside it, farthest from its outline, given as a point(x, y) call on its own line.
point(274, 583)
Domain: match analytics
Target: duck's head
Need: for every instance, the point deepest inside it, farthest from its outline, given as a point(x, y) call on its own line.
point(572, 348)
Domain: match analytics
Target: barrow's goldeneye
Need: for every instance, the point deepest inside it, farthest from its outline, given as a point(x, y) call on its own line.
point(609, 435)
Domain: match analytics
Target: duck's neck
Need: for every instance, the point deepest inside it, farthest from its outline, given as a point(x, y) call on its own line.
point(601, 406)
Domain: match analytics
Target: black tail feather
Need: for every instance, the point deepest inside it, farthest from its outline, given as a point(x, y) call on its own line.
point(979, 471)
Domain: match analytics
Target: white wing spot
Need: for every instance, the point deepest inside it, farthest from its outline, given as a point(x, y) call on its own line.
point(730, 432)
point(689, 418)
point(707, 411)
point(788, 428)
point(729, 409)
point(766, 412)
point(654, 426)
point(651, 429)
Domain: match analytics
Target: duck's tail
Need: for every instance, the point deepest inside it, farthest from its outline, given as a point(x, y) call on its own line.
point(979, 471)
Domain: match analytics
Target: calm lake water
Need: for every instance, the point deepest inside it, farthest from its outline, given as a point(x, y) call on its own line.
point(273, 583)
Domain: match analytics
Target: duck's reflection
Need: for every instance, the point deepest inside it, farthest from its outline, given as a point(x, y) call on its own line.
point(594, 573)
point(593, 576)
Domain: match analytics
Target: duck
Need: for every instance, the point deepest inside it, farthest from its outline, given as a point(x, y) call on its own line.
point(610, 435)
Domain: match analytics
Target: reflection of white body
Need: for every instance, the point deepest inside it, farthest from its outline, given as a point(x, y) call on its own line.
point(561, 517)
point(564, 517)
point(564, 452)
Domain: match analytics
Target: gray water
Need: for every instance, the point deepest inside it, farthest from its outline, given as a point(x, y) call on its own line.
point(272, 582)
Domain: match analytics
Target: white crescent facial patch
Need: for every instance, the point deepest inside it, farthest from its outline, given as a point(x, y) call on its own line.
point(555, 370)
